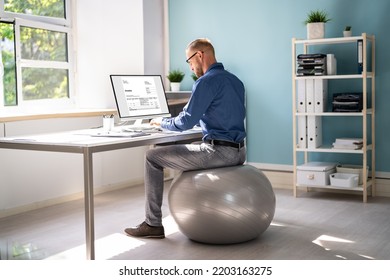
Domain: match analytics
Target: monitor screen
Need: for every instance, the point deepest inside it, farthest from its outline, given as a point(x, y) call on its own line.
point(139, 96)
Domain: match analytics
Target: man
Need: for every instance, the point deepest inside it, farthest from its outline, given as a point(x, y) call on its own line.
point(217, 104)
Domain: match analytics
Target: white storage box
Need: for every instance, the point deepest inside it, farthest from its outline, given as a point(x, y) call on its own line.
point(315, 173)
point(344, 180)
point(352, 169)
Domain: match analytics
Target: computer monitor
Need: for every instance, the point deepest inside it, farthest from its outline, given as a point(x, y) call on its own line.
point(139, 97)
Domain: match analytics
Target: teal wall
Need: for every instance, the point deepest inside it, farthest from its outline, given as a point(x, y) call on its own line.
point(253, 40)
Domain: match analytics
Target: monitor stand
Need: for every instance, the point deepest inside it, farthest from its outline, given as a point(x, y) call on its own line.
point(140, 125)
point(138, 122)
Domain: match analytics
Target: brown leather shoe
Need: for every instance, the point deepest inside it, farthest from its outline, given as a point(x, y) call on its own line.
point(144, 230)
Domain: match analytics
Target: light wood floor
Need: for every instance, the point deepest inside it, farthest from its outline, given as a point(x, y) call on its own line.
point(314, 226)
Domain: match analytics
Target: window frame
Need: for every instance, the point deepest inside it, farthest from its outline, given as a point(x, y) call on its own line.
point(51, 24)
point(58, 21)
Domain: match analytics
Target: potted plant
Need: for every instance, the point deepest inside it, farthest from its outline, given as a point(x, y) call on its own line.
point(175, 77)
point(315, 23)
point(194, 77)
point(347, 31)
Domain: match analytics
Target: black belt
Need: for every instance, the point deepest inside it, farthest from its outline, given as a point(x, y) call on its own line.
point(225, 143)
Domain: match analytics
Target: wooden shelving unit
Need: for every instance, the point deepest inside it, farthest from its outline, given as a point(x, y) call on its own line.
point(367, 114)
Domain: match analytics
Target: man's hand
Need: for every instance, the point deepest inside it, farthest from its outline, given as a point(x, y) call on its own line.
point(156, 121)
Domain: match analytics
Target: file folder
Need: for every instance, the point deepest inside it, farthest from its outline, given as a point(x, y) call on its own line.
point(314, 132)
point(360, 56)
point(310, 96)
point(301, 96)
point(320, 96)
point(302, 132)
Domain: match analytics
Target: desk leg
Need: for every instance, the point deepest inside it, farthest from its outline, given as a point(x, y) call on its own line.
point(88, 204)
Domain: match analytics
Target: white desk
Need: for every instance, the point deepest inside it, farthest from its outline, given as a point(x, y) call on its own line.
point(80, 142)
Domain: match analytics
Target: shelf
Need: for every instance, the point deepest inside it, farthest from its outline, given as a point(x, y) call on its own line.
point(338, 40)
point(334, 77)
point(329, 149)
point(358, 188)
point(314, 127)
point(336, 114)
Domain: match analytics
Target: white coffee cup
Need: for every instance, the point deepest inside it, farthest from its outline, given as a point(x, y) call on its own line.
point(108, 122)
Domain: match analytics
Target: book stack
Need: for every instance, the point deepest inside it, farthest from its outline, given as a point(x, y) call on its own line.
point(348, 143)
point(311, 64)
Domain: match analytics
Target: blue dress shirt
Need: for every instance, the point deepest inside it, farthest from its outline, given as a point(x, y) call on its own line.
point(217, 104)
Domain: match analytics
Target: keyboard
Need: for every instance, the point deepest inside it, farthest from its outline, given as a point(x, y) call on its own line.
point(118, 134)
point(140, 128)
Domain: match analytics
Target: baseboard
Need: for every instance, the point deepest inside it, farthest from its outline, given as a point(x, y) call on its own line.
point(67, 198)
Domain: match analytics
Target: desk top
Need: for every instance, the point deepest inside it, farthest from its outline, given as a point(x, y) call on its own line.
point(78, 140)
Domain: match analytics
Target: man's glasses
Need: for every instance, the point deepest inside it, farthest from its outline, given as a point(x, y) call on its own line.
point(188, 59)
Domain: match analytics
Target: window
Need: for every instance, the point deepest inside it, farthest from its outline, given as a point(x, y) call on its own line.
point(7, 64)
point(35, 51)
point(52, 10)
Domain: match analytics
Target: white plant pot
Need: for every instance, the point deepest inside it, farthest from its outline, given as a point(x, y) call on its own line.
point(315, 30)
point(175, 86)
point(347, 33)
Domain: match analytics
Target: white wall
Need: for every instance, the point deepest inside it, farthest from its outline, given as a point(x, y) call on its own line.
point(109, 39)
point(154, 37)
point(31, 179)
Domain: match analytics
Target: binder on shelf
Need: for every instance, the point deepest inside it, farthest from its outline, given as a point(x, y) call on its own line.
point(310, 96)
point(320, 96)
point(301, 96)
point(314, 132)
point(360, 56)
point(302, 132)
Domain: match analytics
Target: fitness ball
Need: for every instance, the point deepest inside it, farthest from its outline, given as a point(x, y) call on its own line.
point(223, 205)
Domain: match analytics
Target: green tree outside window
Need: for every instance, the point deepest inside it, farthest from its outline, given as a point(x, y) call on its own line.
point(36, 44)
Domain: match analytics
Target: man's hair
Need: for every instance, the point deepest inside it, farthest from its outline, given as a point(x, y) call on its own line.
point(201, 44)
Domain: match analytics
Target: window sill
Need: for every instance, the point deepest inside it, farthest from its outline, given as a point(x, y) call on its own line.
point(74, 113)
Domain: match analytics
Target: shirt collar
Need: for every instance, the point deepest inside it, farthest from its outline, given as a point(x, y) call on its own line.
point(217, 65)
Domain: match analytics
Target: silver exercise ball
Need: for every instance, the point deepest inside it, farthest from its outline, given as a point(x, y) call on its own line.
point(222, 205)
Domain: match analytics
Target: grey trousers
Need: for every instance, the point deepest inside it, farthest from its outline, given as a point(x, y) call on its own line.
point(184, 158)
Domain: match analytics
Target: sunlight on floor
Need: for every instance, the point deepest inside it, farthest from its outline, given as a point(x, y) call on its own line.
point(105, 248)
point(112, 245)
point(325, 240)
point(331, 243)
